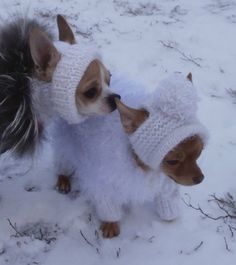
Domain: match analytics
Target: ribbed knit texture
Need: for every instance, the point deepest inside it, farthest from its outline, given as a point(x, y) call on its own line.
point(74, 61)
point(168, 205)
point(60, 94)
point(173, 118)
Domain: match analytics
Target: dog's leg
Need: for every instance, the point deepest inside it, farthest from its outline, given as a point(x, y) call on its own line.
point(64, 154)
point(168, 202)
point(110, 229)
point(106, 210)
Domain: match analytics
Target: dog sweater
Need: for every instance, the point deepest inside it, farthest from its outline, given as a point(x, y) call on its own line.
point(100, 153)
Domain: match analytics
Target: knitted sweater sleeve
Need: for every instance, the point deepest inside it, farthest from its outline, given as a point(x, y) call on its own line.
point(168, 200)
point(107, 210)
point(63, 148)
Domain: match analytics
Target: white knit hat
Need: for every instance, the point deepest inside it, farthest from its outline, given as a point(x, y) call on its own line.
point(172, 119)
point(73, 63)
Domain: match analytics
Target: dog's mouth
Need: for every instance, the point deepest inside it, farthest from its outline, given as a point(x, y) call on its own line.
point(188, 181)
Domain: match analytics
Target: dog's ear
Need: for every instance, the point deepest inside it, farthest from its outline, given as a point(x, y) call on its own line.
point(190, 77)
point(65, 32)
point(131, 118)
point(44, 54)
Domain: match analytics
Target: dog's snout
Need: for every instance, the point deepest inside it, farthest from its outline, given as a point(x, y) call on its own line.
point(112, 102)
point(198, 180)
point(115, 96)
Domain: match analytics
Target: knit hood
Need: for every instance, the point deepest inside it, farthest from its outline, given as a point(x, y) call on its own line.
point(172, 119)
point(60, 93)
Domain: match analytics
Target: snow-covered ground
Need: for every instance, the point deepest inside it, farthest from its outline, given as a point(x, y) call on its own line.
point(145, 39)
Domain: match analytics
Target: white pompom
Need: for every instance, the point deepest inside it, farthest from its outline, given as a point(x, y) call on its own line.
point(176, 96)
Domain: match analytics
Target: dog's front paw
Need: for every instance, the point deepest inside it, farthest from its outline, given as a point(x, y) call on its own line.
point(110, 229)
point(63, 184)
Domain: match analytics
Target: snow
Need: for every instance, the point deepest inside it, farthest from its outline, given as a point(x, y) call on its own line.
point(146, 40)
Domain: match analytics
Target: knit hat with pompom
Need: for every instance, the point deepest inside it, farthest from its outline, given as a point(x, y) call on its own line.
point(172, 119)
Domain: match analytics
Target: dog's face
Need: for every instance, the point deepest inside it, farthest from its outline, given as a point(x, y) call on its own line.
point(180, 164)
point(92, 94)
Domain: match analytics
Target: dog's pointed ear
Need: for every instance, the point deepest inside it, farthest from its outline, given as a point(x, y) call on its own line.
point(44, 54)
point(190, 77)
point(131, 118)
point(65, 32)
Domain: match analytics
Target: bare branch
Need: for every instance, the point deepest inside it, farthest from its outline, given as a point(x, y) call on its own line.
point(232, 229)
point(194, 249)
point(198, 246)
point(221, 203)
point(226, 244)
point(198, 208)
point(89, 243)
point(185, 57)
point(86, 240)
point(14, 228)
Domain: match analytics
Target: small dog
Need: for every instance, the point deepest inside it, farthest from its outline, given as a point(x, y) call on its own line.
point(164, 141)
point(41, 79)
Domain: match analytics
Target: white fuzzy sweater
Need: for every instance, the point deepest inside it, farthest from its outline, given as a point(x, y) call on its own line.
point(99, 152)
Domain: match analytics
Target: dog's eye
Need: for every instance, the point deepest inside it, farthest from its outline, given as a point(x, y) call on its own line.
point(172, 162)
point(91, 93)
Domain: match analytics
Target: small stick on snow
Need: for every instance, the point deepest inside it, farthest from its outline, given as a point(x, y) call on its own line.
point(226, 244)
point(89, 243)
point(86, 240)
point(184, 56)
point(118, 253)
point(14, 228)
point(198, 246)
point(194, 250)
point(231, 228)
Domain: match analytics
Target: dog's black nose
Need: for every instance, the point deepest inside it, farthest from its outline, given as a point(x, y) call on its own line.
point(198, 180)
point(115, 96)
point(112, 102)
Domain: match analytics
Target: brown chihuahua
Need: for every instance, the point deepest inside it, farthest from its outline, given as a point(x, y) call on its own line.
point(165, 137)
point(92, 93)
point(180, 163)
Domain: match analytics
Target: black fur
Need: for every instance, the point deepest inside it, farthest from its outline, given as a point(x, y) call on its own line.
point(19, 128)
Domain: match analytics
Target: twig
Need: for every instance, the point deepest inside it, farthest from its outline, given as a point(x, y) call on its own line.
point(226, 244)
point(228, 202)
point(14, 228)
point(86, 240)
point(198, 208)
point(194, 250)
point(198, 246)
point(231, 228)
point(184, 56)
point(118, 252)
point(202, 212)
point(96, 233)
